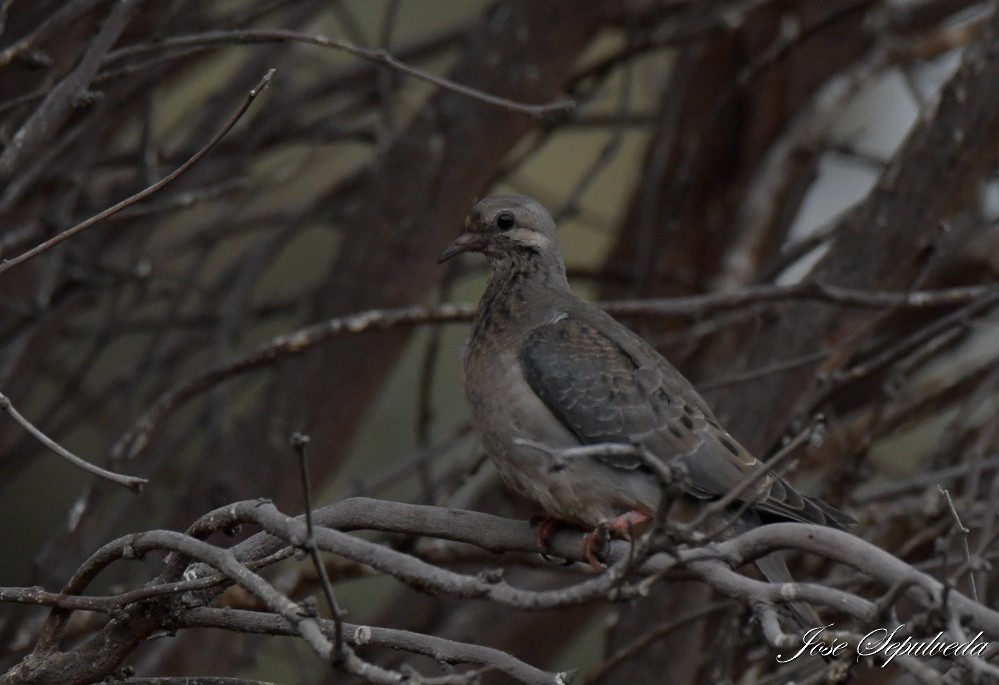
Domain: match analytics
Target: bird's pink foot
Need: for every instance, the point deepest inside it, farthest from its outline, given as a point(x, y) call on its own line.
point(623, 525)
point(545, 529)
point(593, 546)
point(620, 526)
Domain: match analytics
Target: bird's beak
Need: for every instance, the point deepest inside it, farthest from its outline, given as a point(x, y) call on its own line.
point(466, 242)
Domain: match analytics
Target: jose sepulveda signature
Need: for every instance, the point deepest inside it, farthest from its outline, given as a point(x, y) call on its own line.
point(887, 644)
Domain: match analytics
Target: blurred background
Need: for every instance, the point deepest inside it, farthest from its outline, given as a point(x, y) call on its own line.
point(735, 149)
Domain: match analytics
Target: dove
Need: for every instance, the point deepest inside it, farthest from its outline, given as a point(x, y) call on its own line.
point(546, 373)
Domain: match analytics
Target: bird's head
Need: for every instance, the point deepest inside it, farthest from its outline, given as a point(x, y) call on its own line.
point(504, 227)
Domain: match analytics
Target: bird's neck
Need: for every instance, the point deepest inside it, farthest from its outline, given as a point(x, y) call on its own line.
point(516, 288)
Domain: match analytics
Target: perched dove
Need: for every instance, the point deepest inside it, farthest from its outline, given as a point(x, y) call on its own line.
point(545, 371)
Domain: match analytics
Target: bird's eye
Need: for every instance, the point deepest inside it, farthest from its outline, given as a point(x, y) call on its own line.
point(505, 221)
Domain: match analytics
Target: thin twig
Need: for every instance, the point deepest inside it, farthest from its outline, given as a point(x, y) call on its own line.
point(146, 192)
point(136, 440)
point(442, 650)
point(807, 290)
point(964, 531)
point(133, 483)
point(647, 638)
point(299, 442)
point(383, 57)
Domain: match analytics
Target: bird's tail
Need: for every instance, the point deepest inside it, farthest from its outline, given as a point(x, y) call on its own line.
point(775, 570)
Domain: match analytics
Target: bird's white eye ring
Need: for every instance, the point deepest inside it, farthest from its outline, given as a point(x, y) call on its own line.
point(505, 221)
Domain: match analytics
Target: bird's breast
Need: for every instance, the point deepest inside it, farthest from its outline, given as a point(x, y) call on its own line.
point(523, 438)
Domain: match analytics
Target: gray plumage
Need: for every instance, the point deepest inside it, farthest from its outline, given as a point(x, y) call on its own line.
point(543, 366)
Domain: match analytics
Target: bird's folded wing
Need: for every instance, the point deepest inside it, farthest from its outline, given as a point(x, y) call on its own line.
point(606, 384)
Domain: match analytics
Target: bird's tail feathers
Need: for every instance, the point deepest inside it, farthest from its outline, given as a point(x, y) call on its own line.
point(775, 570)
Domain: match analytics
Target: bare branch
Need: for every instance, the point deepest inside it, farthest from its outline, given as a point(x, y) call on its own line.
point(133, 483)
point(383, 57)
point(8, 264)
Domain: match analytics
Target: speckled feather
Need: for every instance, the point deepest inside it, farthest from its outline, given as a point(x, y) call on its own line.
point(607, 385)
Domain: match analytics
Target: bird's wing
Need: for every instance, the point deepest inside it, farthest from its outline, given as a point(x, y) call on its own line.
point(606, 384)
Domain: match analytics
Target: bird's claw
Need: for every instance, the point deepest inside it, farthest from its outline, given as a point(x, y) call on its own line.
point(545, 529)
point(594, 544)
